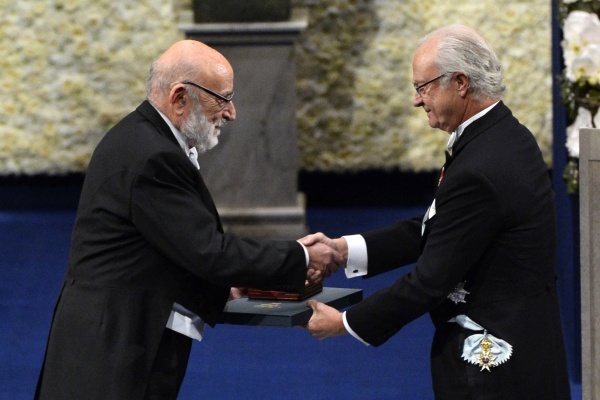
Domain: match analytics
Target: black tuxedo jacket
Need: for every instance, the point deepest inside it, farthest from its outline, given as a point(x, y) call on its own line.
point(494, 229)
point(147, 234)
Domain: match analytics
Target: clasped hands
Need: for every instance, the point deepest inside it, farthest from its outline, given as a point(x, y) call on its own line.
point(326, 256)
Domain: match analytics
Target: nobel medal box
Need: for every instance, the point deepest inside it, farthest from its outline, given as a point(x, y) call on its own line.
point(286, 313)
point(310, 289)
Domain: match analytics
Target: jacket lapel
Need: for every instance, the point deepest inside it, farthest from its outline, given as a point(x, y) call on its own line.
point(471, 132)
point(148, 111)
point(479, 126)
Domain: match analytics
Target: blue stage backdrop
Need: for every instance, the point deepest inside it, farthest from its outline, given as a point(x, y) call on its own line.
point(36, 219)
point(567, 211)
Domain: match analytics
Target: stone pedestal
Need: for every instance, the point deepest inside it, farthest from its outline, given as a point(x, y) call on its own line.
point(253, 173)
point(589, 191)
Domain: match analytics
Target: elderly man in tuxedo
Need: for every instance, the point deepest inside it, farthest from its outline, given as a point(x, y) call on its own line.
point(150, 264)
point(484, 251)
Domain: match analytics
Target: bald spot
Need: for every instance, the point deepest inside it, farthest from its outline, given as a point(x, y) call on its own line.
point(211, 65)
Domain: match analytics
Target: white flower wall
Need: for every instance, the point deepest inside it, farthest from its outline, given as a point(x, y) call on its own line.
point(355, 83)
point(70, 69)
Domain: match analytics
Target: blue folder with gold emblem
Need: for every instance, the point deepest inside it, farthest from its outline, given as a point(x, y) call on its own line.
point(284, 313)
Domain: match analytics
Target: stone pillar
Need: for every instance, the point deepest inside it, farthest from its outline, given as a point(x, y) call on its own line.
point(253, 172)
point(589, 192)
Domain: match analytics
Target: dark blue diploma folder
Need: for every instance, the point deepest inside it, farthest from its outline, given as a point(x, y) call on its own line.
point(286, 313)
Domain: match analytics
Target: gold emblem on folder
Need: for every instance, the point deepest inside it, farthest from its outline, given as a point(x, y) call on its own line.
point(268, 305)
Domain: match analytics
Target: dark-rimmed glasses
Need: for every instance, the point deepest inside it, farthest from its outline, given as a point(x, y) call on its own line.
point(421, 88)
point(217, 95)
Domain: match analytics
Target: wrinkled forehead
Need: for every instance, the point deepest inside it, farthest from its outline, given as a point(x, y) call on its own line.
point(424, 66)
point(218, 76)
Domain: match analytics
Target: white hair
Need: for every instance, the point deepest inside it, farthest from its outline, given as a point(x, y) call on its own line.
point(461, 48)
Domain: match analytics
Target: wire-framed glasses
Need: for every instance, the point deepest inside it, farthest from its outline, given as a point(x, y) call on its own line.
point(224, 99)
point(421, 88)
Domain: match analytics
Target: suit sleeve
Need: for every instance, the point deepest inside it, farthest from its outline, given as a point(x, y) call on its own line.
point(467, 220)
point(173, 214)
point(393, 246)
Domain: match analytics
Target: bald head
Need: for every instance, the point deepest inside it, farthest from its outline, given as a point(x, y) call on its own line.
point(188, 60)
point(203, 58)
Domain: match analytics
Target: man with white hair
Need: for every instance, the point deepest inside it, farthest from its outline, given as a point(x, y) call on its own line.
point(484, 251)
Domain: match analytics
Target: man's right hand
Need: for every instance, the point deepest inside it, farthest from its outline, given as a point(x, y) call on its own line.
point(323, 261)
point(339, 244)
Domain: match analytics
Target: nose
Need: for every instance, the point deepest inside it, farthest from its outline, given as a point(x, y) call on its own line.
point(229, 112)
point(417, 100)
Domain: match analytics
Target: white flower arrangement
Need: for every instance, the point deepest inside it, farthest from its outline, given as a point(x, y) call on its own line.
point(580, 86)
point(70, 70)
point(355, 94)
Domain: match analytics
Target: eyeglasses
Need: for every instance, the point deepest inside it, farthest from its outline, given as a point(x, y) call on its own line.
point(217, 95)
point(421, 88)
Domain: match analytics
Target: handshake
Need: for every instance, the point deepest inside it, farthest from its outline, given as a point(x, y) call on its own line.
point(325, 255)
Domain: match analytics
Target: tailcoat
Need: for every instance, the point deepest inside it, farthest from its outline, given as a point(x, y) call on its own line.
point(494, 231)
point(146, 235)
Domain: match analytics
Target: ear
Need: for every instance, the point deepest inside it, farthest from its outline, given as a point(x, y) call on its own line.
point(178, 98)
point(462, 81)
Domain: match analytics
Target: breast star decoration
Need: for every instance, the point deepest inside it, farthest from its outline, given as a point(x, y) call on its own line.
point(459, 293)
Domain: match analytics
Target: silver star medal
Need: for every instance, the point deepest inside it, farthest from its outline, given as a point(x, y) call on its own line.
point(458, 294)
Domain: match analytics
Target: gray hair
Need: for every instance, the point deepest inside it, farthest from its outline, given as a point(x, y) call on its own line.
point(161, 77)
point(461, 48)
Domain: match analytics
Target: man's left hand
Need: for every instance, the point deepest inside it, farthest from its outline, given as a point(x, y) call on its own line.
point(325, 322)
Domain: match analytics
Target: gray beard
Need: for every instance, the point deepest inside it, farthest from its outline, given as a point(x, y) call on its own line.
point(199, 131)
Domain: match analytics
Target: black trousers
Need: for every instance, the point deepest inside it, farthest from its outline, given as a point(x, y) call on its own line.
point(169, 367)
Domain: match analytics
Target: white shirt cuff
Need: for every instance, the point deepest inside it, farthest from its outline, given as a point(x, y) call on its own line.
point(357, 256)
point(185, 322)
point(350, 331)
point(307, 257)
